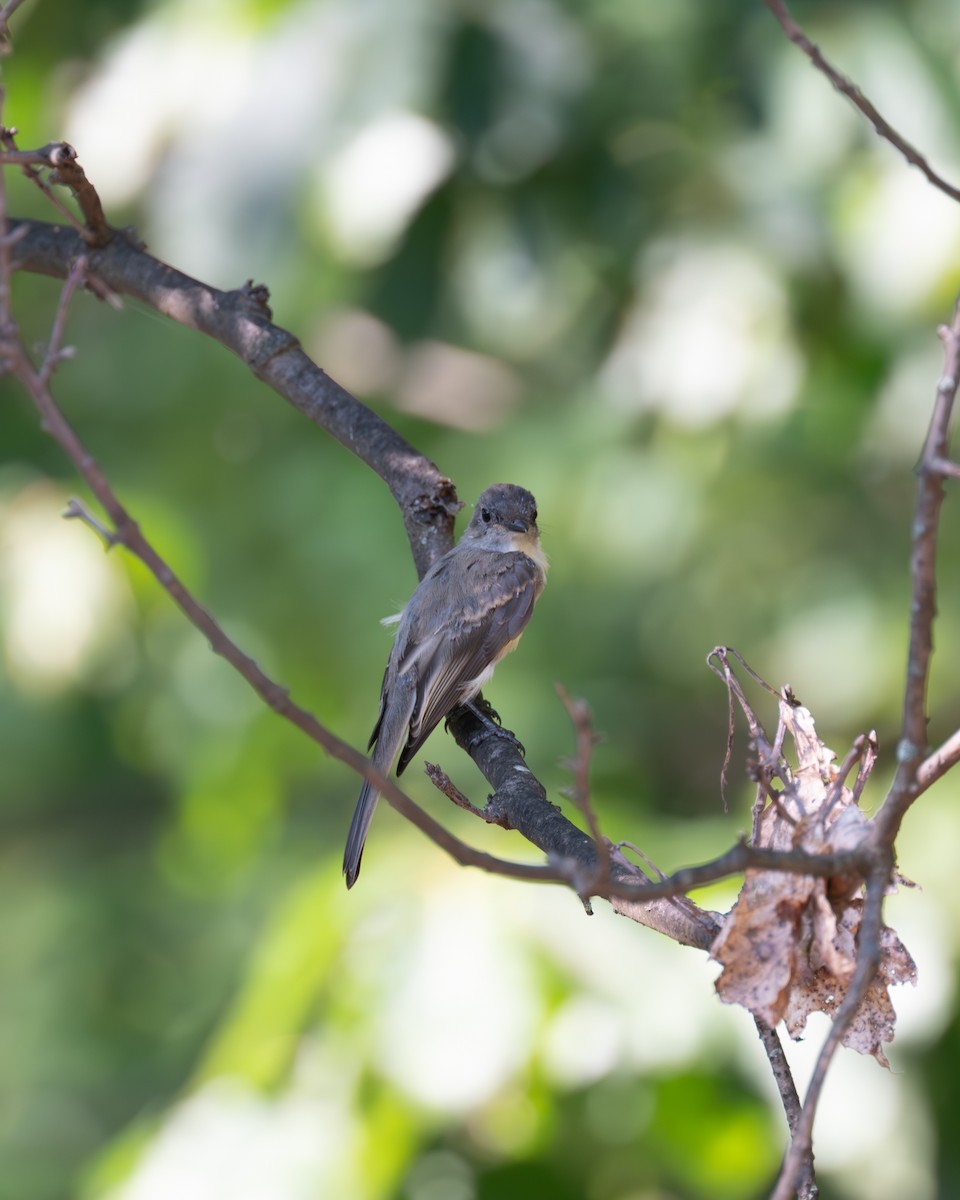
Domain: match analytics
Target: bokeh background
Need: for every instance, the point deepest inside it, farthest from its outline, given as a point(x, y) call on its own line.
point(635, 255)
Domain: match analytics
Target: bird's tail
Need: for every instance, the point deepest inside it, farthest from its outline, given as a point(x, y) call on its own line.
point(362, 816)
point(390, 733)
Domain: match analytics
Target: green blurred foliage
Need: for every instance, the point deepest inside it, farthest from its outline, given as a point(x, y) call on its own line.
point(633, 255)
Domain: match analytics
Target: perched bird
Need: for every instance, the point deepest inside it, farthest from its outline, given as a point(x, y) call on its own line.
point(468, 611)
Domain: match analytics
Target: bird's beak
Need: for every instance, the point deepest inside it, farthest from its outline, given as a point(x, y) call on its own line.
point(518, 526)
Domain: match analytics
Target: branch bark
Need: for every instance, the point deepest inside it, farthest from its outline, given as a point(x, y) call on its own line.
point(913, 773)
point(240, 320)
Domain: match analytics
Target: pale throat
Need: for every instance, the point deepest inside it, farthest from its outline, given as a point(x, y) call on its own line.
point(529, 544)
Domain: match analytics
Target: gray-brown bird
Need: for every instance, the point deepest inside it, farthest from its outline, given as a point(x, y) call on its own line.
point(467, 612)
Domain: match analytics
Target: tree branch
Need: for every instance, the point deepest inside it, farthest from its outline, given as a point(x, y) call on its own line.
point(789, 1098)
point(849, 89)
point(579, 714)
point(908, 782)
point(240, 320)
point(96, 231)
point(939, 762)
point(6, 13)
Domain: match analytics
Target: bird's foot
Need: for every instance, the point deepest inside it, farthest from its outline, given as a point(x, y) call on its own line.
point(489, 718)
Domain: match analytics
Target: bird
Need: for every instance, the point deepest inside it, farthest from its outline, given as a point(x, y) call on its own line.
point(467, 612)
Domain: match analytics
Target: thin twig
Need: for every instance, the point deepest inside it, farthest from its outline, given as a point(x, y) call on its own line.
point(27, 160)
point(743, 857)
point(579, 714)
point(926, 523)
point(868, 761)
point(681, 901)
point(757, 809)
point(739, 858)
point(849, 89)
point(6, 13)
point(939, 762)
point(868, 960)
point(859, 752)
point(6, 246)
point(61, 159)
point(945, 467)
point(647, 862)
point(77, 511)
point(722, 669)
point(789, 1097)
point(55, 350)
point(445, 785)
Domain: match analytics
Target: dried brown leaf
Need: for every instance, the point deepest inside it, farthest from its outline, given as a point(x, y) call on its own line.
point(758, 943)
point(875, 1019)
point(788, 946)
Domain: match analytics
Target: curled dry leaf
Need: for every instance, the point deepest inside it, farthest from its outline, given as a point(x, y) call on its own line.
point(788, 946)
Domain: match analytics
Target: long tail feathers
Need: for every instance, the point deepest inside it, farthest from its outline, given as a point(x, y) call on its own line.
point(362, 816)
point(391, 732)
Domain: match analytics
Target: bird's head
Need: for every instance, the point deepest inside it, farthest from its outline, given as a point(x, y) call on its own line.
point(505, 519)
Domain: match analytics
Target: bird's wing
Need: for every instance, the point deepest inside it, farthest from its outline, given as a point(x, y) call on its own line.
point(382, 710)
point(484, 618)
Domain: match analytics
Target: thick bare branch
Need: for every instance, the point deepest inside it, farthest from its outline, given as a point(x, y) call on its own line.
point(240, 321)
point(520, 802)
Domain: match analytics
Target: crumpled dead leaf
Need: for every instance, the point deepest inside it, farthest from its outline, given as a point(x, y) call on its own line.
point(788, 945)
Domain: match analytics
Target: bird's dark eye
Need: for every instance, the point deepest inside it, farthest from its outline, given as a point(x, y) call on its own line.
point(533, 515)
point(485, 515)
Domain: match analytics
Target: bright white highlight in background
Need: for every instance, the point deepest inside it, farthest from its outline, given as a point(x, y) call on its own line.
point(899, 238)
point(708, 337)
point(379, 180)
point(460, 1022)
point(228, 1142)
point(63, 600)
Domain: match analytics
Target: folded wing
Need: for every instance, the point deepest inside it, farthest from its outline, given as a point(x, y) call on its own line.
point(452, 661)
